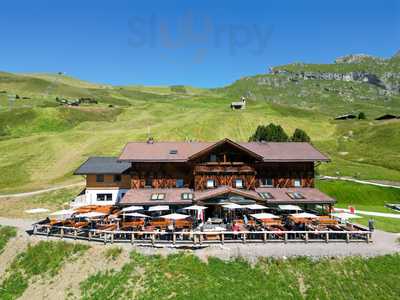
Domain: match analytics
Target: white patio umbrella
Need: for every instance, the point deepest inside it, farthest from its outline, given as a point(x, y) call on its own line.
point(132, 208)
point(304, 215)
point(232, 206)
point(63, 214)
point(255, 206)
point(345, 216)
point(91, 215)
point(158, 208)
point(36, 210)
point(175, 216)
point(195, 207)
point(289, 207)
point(261, 216)
point(136, 215)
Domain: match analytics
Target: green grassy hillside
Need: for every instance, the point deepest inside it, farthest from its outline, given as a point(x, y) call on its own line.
point(42, 142)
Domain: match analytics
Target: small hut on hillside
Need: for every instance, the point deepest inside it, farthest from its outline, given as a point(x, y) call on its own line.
point(239, 105)
point(387, 117)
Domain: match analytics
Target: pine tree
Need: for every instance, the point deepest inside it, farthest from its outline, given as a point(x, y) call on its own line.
point(300, 135)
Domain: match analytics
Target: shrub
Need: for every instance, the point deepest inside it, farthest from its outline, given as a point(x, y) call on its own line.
point(362, 116)
point(300, 135)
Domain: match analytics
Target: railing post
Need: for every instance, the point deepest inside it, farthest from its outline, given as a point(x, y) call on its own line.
point(105, 238)
point(173, 238)
point(347, 237)
point(327, 237)
point(222, 238)
point(75, 233)
point(90, 235)
point(244, 238)
point(368, 237)
point(265, 237)
point(112, 238)
point(62, 233)
point(286, 237)
point(306, 237)
point(200, 238)
point(153, 238)
point(34, 229)
point(133, 238)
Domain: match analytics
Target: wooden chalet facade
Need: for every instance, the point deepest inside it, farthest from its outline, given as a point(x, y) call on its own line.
point(181, 173)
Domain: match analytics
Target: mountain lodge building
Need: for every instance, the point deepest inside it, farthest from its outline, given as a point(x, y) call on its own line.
point(179, 174)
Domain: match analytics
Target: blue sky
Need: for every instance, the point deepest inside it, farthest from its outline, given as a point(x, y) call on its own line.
point(204, 43)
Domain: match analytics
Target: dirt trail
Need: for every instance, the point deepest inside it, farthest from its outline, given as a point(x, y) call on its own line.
point(65, 285)
point(42, 191)
point(12, 249)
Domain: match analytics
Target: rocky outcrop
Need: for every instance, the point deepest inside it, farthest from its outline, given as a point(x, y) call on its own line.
point(389, 81)
point(356, 58)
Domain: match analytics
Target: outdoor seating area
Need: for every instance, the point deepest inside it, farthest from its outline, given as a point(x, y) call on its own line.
point(194, 225)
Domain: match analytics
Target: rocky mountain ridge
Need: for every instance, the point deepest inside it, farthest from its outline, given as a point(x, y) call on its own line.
point(382, 73)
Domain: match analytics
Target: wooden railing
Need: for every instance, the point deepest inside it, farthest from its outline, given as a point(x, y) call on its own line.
point(202, 237)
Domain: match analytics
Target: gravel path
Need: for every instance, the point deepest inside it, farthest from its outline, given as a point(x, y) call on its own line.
point(391, 184)
point(42, 191)
point(370, 213)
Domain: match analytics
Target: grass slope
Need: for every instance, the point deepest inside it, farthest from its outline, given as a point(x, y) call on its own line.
point(186, 277)
point(39, 261)
point(57, 139)
point(364, 197)
point(6, 233)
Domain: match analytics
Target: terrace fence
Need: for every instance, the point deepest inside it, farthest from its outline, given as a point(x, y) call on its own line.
point(201, 237)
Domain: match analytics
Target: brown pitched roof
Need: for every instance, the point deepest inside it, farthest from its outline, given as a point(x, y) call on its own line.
point(143, 197)
point(222, 190)
point(311, 195)
point(173, 196)
point(270, 152)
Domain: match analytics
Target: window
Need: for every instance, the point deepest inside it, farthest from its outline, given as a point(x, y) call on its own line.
point(267, 182)
point(297, 182)
point(99, 178)
point(213, 158)
point(210, 183)
point(148, 182)
point(295, 195)
point(157, 196)
point(117, 178)
point(266, 195)
point(104, 197)
point(187, 196)
point(239, 183)
point(179, 183)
